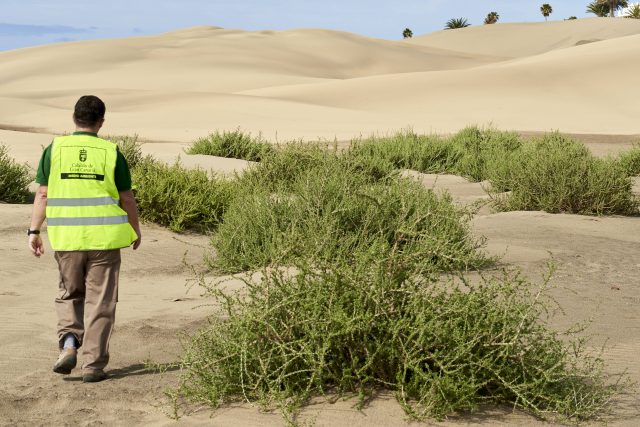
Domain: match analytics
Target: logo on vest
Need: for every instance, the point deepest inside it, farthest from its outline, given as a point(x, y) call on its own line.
point(83, 163)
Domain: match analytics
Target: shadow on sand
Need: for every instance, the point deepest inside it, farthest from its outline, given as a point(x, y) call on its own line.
point(133, 370)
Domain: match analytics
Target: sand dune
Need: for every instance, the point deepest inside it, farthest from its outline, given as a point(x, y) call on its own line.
point(526, 39)
point(320, 83)
point(561, 89)
point(209, 59)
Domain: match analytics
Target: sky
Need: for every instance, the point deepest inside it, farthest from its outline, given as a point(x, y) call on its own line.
point(25, 23)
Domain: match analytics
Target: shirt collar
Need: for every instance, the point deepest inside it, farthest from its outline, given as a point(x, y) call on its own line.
point(86, 133)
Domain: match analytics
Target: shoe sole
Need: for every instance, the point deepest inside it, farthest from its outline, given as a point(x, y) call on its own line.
point(94, 378)
point(65, 366)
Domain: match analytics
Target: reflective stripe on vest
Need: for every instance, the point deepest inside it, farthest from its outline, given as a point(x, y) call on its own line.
point(83, 205)
point(82, 201)
point(91, 220)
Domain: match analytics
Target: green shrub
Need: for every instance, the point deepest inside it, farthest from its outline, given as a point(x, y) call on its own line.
point(283, 167)
point(487, 154)
point(129, 147)
point(553, 173)
point(235, 144)
point(557, 174)
point(180, 198)
point(333, 210)
point(473, 153)
point(406, 150)
point(14, 179)
point(351, 296)
point(286, 164)
point(347, 329)
point(630, 161)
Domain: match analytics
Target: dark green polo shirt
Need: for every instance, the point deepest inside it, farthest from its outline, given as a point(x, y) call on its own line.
point(122, 174)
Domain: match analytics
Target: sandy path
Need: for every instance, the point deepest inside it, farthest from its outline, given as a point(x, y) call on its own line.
point(154, 306)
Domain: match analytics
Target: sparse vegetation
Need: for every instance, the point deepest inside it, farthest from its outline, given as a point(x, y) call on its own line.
point(14, 179)
point(351, 295)
point(129, 147)
point(492, 18)
point(473, 153)
point(348, 328)
point(332, 210)
point(454, 23)
point(554, 173)
point(180, 198)
point(235, 144)
point(487, 154)
point(630, 161)
point(407, 150)
point(407, 33)
point(557, 174)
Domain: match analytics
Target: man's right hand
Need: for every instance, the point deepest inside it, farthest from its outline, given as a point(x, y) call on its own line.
point(35, 245)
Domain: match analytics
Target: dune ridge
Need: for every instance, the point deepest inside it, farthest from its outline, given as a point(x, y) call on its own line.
point(516, 40)
point(313, 83)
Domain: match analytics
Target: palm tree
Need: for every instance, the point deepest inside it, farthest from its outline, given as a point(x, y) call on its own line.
point(454, 23)
point(606, 7)
point(546, 10)
point(407, 33)
point(598, 9)
point(492, 18)
point(633, 11)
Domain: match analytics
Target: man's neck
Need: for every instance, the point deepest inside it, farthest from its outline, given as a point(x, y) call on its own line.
point(87, 130)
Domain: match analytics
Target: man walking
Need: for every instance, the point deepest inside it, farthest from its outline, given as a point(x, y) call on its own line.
point(85, 194)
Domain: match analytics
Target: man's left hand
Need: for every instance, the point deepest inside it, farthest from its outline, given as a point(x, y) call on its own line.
point(35, 245)
point(137, 243)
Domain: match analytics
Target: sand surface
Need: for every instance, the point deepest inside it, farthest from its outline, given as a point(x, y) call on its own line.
point(597, 278)
point(307, 84)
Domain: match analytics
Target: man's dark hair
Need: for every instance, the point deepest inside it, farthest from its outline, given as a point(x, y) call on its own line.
point(89, 111)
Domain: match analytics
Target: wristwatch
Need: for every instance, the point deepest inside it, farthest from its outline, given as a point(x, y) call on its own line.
point(30, 232)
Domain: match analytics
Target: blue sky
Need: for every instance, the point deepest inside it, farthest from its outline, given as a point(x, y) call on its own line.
point(26, 23)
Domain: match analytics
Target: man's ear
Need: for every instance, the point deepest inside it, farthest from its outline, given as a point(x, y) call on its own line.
point(100, 123)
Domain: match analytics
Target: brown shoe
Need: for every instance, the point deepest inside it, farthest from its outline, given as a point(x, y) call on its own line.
point(94, 376)
point(66, 361)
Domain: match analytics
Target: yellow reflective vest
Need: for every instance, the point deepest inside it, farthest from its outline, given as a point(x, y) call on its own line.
point(83, 203)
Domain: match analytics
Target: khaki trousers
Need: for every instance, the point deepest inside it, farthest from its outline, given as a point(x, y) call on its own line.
point(86, 302)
